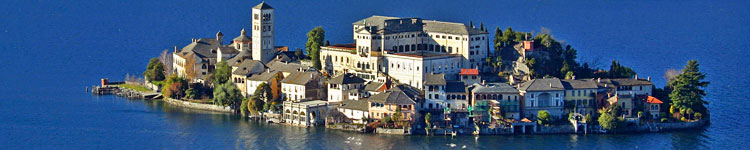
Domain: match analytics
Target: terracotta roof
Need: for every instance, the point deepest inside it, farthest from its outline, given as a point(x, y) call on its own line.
point(653, 100)
point(469, 72)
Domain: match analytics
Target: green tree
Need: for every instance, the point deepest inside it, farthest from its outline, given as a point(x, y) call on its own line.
point(263, 92)
point(618, 71)
point(569, 75)
point(174, 87)
point(397, 117)
point(499, 63)
point(227, 94)
point(544, 118)
point(243, 108)
point(607, 121)
point(687, 92)
point(299, 54)
point(508, 37)
point(192, 93)
point(255, 105)
point(222, 73)
point(154, 70)
point(314, 40)
point(498, 42)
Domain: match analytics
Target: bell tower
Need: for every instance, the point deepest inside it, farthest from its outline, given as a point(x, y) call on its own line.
point(263, 46)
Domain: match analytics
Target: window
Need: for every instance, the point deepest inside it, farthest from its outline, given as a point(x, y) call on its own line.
point(532, 95)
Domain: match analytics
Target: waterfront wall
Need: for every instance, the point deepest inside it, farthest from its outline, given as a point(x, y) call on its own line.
point(208, 107)
point(393, 131)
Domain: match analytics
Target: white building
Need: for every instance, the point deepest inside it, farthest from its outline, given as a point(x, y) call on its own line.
point(356, 110)
point(340, 87)
point(305, 113)
point(406, 49)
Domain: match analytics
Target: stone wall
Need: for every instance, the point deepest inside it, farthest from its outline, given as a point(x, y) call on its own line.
point(393, 131)
point(191, 105)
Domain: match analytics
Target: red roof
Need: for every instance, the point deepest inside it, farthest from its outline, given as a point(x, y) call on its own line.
point(653, 100)
point(469, 72)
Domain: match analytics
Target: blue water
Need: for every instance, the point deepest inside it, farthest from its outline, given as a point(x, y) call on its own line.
point(52, 49)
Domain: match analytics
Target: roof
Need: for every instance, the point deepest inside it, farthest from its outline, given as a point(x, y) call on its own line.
point(546, 84)
point(469, 72)
point(627, 81)
point(202, 47)
point(243, 36)
point(579, 84)
point(493, 88)
point(393, 97)
point(299, 78)
point(423, 54)
point(355, 104)
point(248, 67)
point(455, 87)
point(286, 66)
point(374, 86)
point(408, 90)
point(239, 58)
point(347, 78)
point(434, 79)
point(653, 100)
point(262, 5)
point(377, 24)
point(264, 76)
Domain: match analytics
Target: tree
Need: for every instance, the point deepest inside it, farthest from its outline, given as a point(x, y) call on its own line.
point(227, 94)
point(166, 58)
point(497, 42)
point(481, 26)
point(174, 87)
point(190, 72)
point(328, 43)
point(508, 37)
point(618, 71)
point(255, 105)
point(427, 120)
point(192, 93)
point(154, 70)
point(314, 40)
point(544, 118)
point(222, 73)
point(263, 92)
point(299, 54)
point(607, 121)
point(243, 108)
point(687, 89)
point(569, 75)
point(397, 117)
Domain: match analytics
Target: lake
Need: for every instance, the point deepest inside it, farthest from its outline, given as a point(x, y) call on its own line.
point(53, 49)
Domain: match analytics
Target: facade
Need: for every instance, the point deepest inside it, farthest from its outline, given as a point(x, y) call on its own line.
point(434, 90)
point(389, 102)
point(653, 106)
point(305, 113)
point(243, 70)
point(340, 87)
point(580, 95)
point(263, 42)
point(272, 78)
point(501, 95)
point(470, 76)
point(302, 85)
point(356, 110)
point(412, 67)
point(456, 95)
point(542, 94)
point(627, 102)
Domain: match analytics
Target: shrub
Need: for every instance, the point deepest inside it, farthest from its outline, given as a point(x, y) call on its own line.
point(664, 119)
point(544, 118)
point(698, 116)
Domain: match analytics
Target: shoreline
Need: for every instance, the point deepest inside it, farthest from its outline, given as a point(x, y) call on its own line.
point(543, 130)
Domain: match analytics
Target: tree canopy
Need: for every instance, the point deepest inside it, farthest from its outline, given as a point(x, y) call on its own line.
point(154, 70)
point(543, 117)
point(618, 71)
point(222, 73)
point(227, 94)
point(315, 39)
point(687, 89)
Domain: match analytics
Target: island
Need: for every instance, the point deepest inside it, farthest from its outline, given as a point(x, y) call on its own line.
point(413, 76)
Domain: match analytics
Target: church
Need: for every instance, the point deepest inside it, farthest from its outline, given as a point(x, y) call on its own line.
point(199, 58)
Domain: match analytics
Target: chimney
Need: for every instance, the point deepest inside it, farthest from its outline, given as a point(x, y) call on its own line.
point(648, 78)
point(636, 76)
point(599, 80)
point(518, 86)
point(175, 48)
point(574, 77)
point(550, 85)
point(483, 83)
